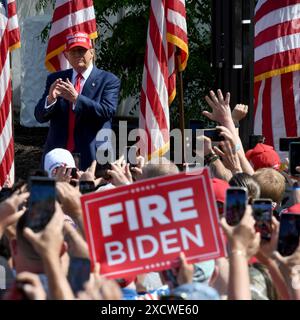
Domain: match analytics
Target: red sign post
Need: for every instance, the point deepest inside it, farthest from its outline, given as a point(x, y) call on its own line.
point(143, 227)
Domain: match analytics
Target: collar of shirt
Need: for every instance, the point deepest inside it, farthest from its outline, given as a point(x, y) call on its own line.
point(85, 75)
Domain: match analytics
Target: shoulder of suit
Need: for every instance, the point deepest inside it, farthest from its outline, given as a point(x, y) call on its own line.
point(60, 74)
point(106, 74)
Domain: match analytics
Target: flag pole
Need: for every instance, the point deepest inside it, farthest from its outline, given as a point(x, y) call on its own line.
point(12, 114)
point(181, 107)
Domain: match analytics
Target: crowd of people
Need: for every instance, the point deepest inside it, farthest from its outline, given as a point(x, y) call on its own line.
point(50, 263)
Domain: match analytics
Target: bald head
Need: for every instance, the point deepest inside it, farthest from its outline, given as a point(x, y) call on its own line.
point(161, 167)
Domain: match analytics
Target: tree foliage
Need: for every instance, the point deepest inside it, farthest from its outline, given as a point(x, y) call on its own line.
point(121, 48)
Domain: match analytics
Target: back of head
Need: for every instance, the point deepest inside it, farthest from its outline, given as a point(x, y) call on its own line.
point(159, 167)
point(248, 182)
point(272, 184)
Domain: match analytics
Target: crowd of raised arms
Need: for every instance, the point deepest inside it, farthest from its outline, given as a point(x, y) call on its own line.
point(49, 263)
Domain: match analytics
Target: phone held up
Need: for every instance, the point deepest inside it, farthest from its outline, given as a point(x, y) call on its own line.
point(41, 203)
point(236, 202)
point(262, 213)
point(294, 158)
point(289, 233)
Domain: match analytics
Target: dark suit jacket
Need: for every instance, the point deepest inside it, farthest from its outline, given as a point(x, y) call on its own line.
point(94, 110)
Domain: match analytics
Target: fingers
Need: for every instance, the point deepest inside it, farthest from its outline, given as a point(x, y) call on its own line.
point(225, 226)
point(128, 172)
point(92, 168)
point(227, 100)
point(220, 96)
point(219, 152)
point(208, 115)
point(213, 97)
point(57, 220)
point(27, 277)
point(97, 268)
point(278, 257)
point(30, 235)
point(248, 218)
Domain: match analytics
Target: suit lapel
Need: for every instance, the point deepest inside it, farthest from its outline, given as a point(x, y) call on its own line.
point(90, 83)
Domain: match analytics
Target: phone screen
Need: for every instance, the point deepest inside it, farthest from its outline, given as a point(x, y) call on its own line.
point(170, 278)
point(294, 158)
point(262, 212)
point(236, 200)
point(213, 134)
point(289, 233)
point(86, 186)
point(77, 159)
point(284, 143)
point(79, 273)
point(41, 203)
point(101, 170)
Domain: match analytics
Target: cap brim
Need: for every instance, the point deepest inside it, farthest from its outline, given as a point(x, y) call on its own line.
point(82, 45)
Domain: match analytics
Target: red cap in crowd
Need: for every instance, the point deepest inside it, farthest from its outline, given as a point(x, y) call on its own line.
point(78, 39)
point(220, 187)
point(293, 209)
point(263, 156)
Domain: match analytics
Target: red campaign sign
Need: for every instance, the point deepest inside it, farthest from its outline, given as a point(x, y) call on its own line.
point(144, 226)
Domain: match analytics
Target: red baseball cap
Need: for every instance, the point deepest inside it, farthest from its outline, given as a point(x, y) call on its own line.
point(78, 39)
point(263, 156)
point(293, 209)
point(220, 187)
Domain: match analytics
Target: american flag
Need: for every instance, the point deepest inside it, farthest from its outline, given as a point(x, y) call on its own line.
point(166, 30)
point(276, 69)
point(9, 40)
point(69, 16)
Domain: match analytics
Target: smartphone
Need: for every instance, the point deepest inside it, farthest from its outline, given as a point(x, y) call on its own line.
point(254, 139)
point(236, 201)
point(214, 134)
point(170, 278)
point(284, 143)
point(294, 158)
point(130, 154)
point(101, 170)
point(74, 173)
point(79, 273)
point(289, 233)
point(196, 124)
point(262, 213)
point(77, 159)
point(41, 203)
point(86, 186)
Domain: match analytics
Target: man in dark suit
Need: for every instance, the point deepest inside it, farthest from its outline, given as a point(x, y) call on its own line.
point(79, 102)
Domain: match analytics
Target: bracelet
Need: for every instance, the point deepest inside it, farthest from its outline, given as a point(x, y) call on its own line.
point(208, 159)
point(238, 253)
point(237, 147)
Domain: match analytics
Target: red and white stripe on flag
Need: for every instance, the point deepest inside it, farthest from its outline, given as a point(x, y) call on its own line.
point(276, 69)
point(166, 30)
point(9, 40)
point(69, 16)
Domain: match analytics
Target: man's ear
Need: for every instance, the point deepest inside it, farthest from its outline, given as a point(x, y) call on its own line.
point(64, 248)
